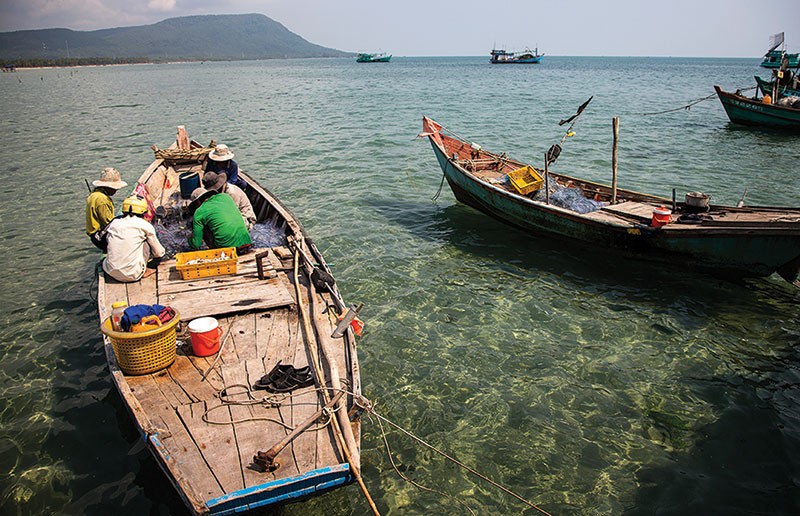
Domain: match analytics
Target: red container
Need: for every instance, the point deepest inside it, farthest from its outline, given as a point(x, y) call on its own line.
point(205, 333)
point(661, 217)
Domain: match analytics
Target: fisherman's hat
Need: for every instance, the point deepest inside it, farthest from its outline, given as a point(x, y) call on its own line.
point(110, 178)
point(199, 195)
point(220, 153)
point(214, 181)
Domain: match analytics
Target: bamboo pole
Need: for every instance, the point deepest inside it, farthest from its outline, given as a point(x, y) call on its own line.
point(340, 421)
point(546, 181)
point(614, 160)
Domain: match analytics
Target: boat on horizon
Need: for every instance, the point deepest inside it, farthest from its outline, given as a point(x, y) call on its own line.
point(198, 415)
point(528, 56)
point(782, 113)
point(737, 241)
point(777, 58)
point(380, 57)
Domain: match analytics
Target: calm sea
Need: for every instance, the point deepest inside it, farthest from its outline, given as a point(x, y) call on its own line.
point(586, 382)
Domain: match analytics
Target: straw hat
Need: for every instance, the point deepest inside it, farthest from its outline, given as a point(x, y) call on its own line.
point(110, 178)
point(220, 153)
point(199, 195)
point(214, 181)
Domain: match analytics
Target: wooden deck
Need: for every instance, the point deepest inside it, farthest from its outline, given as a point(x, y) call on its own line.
point(186, 413)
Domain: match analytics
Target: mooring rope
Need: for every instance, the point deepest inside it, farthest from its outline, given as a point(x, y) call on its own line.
point(415, 484)
point(370, 409)
point(688, 106)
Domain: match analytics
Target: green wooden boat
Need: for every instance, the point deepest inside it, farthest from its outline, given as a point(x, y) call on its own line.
point(791, 89)
point(381, 57)
point(755, 112)
point(773, 59)
point(739, 241)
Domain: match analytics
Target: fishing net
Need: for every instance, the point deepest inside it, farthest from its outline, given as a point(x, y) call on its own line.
point(570, 198)
point(174, 235)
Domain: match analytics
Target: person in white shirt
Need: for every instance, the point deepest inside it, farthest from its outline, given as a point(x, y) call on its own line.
point(219, 182)
point(133, 247)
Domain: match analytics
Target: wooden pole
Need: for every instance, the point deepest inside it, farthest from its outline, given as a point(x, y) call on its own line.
point(546, 181)
point(615, 126)
point(340, 421)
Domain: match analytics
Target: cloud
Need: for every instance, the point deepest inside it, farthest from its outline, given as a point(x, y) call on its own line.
point(162, 5)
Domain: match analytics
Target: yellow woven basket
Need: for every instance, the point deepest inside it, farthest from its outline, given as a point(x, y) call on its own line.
point(143, 352)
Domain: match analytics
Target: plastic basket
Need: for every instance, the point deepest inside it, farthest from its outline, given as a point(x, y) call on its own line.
point(525, 179)
point(143, 352)
point(204, 270)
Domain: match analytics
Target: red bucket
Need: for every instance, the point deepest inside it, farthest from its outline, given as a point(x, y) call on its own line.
point(661, 217)
point(205, 333)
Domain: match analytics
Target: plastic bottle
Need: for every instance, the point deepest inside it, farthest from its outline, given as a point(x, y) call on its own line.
point(117, 310)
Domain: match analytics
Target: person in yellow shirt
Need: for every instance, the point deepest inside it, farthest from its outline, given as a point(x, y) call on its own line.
point(100, 206)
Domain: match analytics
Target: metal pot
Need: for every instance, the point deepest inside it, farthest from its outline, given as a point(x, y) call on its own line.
point(697, 200)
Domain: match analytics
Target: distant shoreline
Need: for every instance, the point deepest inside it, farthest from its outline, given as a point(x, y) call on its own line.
point(94, 62)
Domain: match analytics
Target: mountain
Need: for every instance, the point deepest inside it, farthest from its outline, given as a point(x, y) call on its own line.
point(213, 37)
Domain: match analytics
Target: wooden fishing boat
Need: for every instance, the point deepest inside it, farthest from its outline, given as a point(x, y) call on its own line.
point(741, 241)
point(773, 59)
point(209, 431)
point(766, 87)
point(380, 57)
point(755, 112)
point(528, 56)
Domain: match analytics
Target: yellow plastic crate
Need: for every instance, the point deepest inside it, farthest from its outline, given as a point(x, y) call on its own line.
point(207, 268)
point(143, 352)
point(525, 179)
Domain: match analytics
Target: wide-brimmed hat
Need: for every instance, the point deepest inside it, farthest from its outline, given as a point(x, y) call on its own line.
point(110, 178)
point(214, 181)
point(220, 153)
point(199, 195)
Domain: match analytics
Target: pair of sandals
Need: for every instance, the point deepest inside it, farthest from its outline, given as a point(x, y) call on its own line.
point(285, 378)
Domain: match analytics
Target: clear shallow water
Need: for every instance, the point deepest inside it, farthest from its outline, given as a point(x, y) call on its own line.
point(589, 383)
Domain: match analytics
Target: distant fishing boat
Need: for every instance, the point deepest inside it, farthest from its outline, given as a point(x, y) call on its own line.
point(528, 56)
point(381, 57)
point(775, 57)
point(772, 59)
point(783, 113)
point(194, 407)
point(747, 241)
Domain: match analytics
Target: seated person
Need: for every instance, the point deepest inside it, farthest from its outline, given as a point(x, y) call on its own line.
point(100, 206)
point(221, 160)
point(133, 247)
point(219, 183)
point(217, 222)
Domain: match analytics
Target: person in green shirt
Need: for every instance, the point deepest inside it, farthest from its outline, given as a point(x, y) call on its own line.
point(100, 206)
point(217, 221)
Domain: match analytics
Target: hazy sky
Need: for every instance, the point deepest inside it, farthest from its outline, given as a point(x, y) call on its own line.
point(725, 28)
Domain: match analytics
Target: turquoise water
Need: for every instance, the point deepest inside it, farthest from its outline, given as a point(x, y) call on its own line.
point(586, 382)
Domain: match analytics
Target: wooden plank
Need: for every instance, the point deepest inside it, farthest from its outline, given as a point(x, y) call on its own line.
point(185, 375)
point(214, 440)
point(243, 336)
point(181, 447)
point(250, 434)
point(227, 300)
point(142, 292)
point(263, 323)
